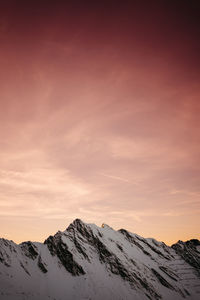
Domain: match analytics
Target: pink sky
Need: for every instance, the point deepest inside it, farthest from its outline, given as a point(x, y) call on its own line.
point(99, 118)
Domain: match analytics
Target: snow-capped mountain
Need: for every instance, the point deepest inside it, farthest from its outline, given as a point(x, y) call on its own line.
point(90, 262)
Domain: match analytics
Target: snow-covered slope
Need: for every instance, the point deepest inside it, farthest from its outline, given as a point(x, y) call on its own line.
point(89, 262)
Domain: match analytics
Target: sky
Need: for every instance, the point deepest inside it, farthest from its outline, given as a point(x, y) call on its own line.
point(99, 118)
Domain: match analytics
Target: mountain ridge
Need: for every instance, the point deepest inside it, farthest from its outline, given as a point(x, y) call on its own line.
point(94, 262)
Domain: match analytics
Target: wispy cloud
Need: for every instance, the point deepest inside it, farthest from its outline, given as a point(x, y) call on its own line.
point(115, 177)
point(92, 125)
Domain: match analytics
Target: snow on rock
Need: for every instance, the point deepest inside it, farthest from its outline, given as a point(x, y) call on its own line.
point(189, 251)
point(90, 262)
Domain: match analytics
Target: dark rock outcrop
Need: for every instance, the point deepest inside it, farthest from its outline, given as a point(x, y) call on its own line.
point(29, 249)
point(42, 265)
point(60, 249)
point(161, 279)
point(189, 252)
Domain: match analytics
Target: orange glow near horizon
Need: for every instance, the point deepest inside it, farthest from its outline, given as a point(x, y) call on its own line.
point(99, 118)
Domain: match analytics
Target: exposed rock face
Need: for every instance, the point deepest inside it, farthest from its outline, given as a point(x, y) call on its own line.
point(100, 263)
point(60, 249)
point(29, 250)
point(161, 279)
point(190, 252)
point(42, 265)
point(5, 247)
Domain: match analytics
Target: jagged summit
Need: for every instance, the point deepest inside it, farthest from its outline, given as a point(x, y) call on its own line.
point(90, 262)
point(77, 222)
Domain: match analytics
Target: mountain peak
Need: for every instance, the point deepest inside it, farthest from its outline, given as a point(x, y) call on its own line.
point(119, 264)
point(77, 224)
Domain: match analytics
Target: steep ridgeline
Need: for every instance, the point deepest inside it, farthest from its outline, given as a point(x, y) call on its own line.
point(89, 262)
